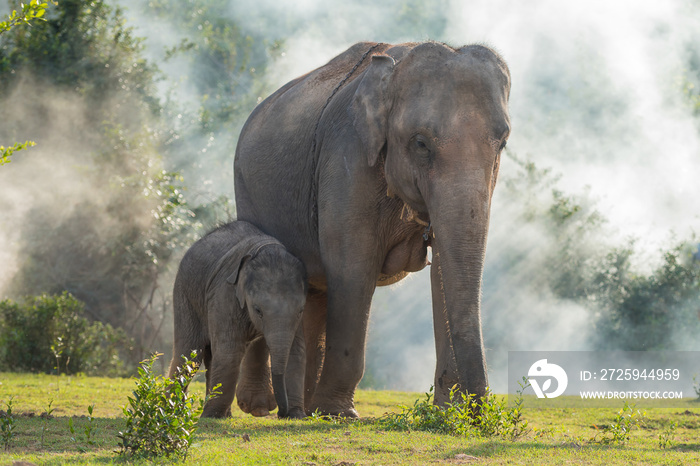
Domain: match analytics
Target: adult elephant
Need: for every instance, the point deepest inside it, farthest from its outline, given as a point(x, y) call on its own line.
point(360, 165)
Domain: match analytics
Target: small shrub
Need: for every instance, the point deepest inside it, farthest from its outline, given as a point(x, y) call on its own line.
point(90, 426)
point(161, 418)
point(424, 415)
point(46, 415)
point(667, 437)
point(619, 431)
point(463, 415)
point(7, 425)
point(89, 431)
point(544, 432)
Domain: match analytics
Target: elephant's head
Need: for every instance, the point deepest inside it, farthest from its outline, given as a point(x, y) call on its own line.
point(271, 285)
point(438, 119)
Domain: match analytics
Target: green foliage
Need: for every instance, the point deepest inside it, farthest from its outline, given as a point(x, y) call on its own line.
point(647, 312)
point(45, 416)
point(90, 426)
point(565, 254)
point(29, 330)
point(667, 437)
point(89, 430)
point(28, 11)
point(7, 425)
point(83, 46)
point(568, 225)
point(161, 418)
point(619, 431)
point(226, 61)
point(463, 415)
point(216, 69)
point(6, 152)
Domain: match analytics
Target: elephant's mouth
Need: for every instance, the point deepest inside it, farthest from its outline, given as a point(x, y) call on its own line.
point(410, 215)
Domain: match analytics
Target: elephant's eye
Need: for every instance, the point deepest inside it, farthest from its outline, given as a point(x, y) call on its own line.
point(258, 311)
point(420, 143)
point(421, 148)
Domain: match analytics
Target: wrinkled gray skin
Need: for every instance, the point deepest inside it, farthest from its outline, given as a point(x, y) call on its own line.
point(421, 125)
point(238, 289)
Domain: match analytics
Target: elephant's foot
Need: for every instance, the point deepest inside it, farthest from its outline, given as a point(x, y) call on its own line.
point(333, 407)
point(445, 381)
point(296, 413)
point(216, 411)
point(258, 401)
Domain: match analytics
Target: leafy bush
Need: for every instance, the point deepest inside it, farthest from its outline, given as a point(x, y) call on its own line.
point(648, 312)
point(161, 418)
point(464, 415)
point(619, 431)
point(7, 425)
point(667, 437)
point(46, 333)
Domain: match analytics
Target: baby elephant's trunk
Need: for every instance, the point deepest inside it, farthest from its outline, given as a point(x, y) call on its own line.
point(280, 343)
point(280, 388)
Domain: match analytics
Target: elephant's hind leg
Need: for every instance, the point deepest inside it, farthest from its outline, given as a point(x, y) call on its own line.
point(347, 315)
point(315, 338)
point(254, 391)
point(190, 335)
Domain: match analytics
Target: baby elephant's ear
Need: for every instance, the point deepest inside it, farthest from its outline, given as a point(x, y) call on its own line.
point(233, 279)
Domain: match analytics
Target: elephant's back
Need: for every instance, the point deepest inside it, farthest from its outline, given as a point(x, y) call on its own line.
point(313, 88)
point(275, 166)
point(200, 261)
point(283, 124)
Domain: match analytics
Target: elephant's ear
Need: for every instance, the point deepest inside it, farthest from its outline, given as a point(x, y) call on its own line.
point(234, 279)
point(370, 107)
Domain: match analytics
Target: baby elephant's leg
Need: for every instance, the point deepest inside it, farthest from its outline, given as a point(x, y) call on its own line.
point(254, 391)
point(223, 370)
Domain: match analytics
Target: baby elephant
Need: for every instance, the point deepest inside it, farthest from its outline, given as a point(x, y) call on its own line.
point(236, 285)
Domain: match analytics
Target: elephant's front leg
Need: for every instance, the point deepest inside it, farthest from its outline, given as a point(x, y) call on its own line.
point(446, 368)
point(223, 370)
point(314, 324)
point(254, 391)
point(351, 285)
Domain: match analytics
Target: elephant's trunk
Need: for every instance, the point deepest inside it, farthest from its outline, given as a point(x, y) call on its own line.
point(460, 218)
point(280, 388)
point(280, 345)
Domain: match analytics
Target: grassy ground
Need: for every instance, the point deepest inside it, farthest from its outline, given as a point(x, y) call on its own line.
point(557, 436)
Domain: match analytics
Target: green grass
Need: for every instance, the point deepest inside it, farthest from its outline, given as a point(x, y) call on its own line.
point(557, 436)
